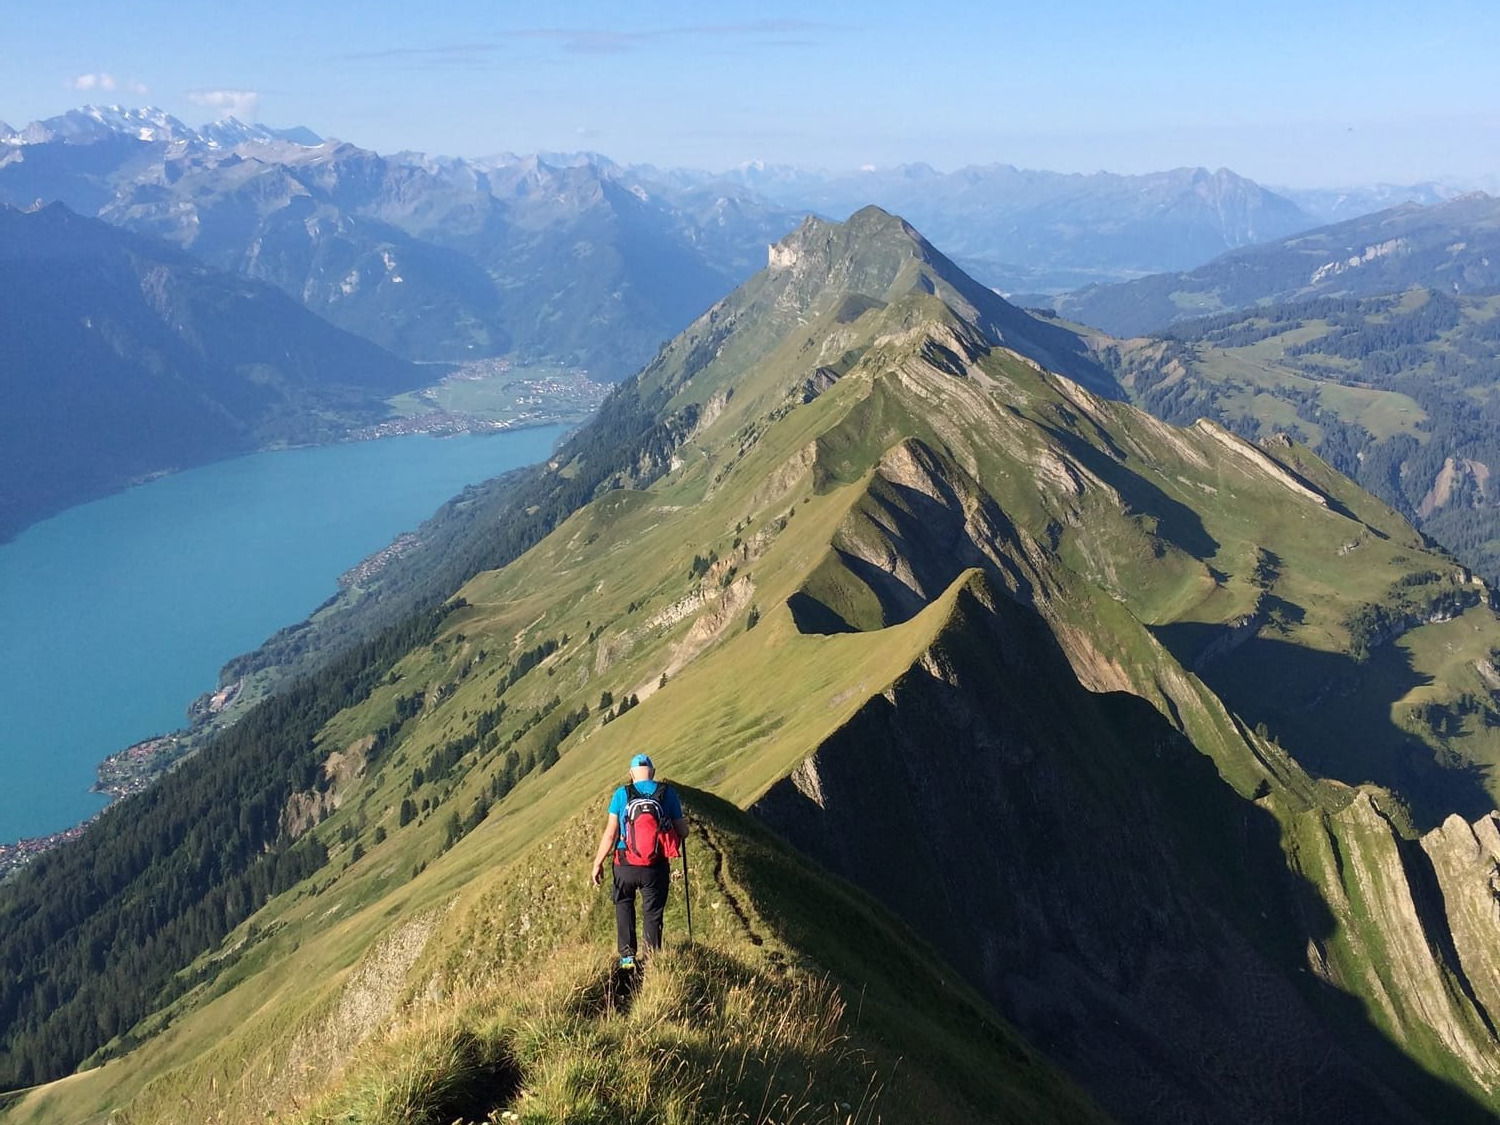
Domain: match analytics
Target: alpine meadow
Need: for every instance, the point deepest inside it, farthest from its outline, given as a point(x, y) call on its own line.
point(1045, 674)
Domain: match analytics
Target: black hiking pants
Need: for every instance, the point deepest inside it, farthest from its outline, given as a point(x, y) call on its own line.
point(652, 882)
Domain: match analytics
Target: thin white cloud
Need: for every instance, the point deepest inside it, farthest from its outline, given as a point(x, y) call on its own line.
point(244, 104)
point(606, 41)
point(106, 82)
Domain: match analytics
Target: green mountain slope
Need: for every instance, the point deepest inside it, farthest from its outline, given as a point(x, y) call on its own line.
point(1093, 705)
point(1450, 245)
point(1397, 391)
point(634, 439)
point(129, 358)
point(800, 997)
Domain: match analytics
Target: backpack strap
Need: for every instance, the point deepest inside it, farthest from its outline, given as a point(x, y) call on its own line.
point(630, 795)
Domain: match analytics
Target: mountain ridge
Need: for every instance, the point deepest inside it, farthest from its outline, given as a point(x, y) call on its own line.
point(1037, 231)
point(575, 256)
point(91, 123)
point(436, 260)
point(824, 522)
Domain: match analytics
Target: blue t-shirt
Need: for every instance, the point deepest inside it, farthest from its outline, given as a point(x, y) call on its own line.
point(669, 803)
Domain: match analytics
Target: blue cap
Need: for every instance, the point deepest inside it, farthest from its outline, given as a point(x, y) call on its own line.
point(641, 760)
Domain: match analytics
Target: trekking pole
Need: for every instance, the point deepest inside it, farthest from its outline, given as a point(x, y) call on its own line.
point(687, 892)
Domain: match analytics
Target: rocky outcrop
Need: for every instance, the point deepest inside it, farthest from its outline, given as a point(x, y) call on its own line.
point(1235, 633)
point(1394, 941)
point(1465, 859)
point(307, 807)
point(1460, 479)
point(1258, 460)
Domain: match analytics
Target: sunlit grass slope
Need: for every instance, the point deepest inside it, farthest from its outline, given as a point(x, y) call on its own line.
point(800, 1000)
point(858, 484)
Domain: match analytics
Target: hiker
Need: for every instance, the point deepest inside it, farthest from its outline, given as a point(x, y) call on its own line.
point(644, 831)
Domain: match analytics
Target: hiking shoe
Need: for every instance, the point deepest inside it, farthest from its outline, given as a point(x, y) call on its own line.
point(627, 962)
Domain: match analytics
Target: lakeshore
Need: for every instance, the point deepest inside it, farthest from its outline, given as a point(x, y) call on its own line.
point(145, 595)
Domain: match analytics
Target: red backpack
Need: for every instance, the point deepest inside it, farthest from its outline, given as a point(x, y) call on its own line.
point(647, 830)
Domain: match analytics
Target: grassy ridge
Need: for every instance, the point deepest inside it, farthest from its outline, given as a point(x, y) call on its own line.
point(882, 461)
point(802, 1000)
point(744, 1025)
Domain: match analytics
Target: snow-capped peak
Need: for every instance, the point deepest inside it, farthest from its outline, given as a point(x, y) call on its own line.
point(100, 122)
point(231, 131)
point(93, 123)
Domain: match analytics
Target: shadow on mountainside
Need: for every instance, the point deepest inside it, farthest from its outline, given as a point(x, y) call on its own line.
point(1176, 522)
point(1085, 866)
point(936, 537)
point(1333, 715)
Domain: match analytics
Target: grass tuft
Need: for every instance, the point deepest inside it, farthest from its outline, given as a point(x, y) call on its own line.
point(709, 1037)
point(432, 1073)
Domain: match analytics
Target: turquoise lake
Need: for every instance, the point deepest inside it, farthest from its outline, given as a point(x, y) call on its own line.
point(115, 615)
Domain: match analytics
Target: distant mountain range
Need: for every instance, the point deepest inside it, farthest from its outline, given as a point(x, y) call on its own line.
point(577, 258)
point(127, 358)
point(1334, 205)
point(93, 124)
point(1018, 229)
point(1454, 245)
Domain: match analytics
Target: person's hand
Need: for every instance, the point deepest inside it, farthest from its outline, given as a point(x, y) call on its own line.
point(598, 875)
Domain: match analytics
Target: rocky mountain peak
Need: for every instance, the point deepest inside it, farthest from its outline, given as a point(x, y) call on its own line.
point(872, 240)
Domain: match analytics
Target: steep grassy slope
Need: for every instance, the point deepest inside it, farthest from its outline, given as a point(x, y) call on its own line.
point(825, 277)
point(1398, 391)
point(958, 630)
point(800, 999)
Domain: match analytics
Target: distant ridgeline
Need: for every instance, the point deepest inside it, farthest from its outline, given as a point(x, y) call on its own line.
point(1453, 246)
point(1026, 230)
point(570, 258)
point(1195, 743)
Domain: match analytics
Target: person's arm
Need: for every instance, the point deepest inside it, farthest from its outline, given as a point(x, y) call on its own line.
point(679, 818)
point(607, 842)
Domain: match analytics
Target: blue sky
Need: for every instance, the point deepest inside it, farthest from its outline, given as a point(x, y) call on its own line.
point(1298, 93)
